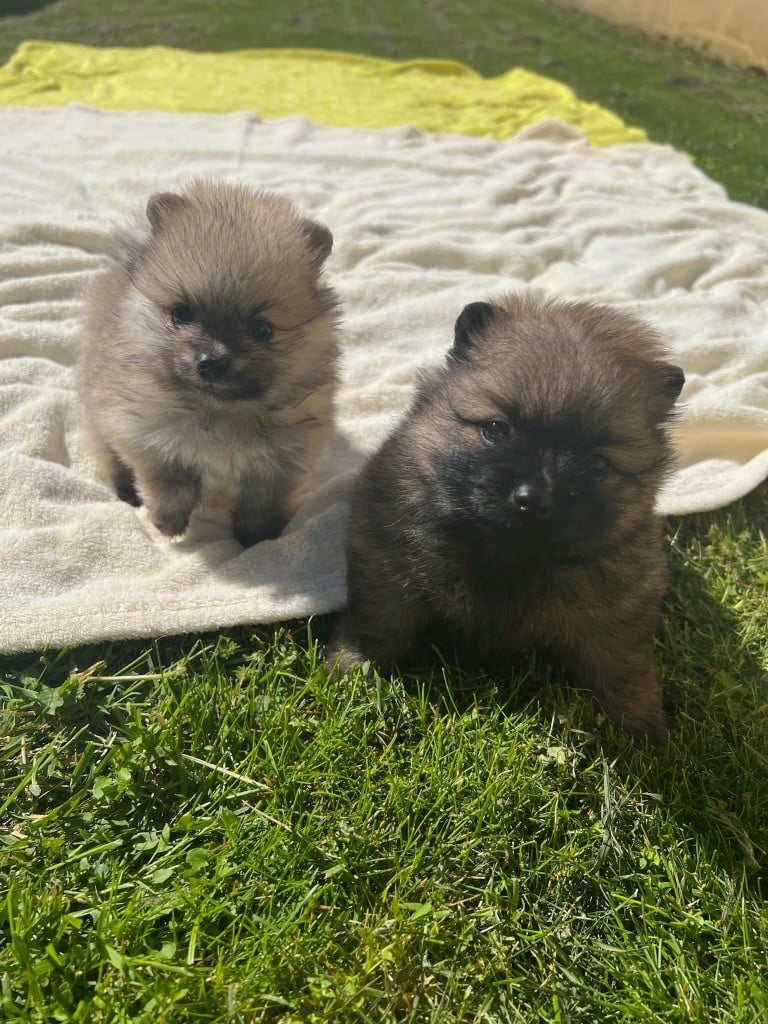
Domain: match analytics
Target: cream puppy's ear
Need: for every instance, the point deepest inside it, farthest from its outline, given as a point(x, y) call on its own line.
point(319, 240)
point(160, 205)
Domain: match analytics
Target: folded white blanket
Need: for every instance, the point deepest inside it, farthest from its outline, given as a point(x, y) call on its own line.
point(422, 225)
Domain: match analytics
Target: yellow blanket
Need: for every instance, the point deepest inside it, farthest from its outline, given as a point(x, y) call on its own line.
point(329, 88)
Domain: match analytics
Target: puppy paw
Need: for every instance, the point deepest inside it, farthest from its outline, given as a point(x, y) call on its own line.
point(125, 486)
point(248, 532)
point(640, 713)
point(170, 522)
point(651, 726)
point(341, 656)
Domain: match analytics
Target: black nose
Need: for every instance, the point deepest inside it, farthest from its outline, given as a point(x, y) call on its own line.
point(212, 368)
point(534, 497)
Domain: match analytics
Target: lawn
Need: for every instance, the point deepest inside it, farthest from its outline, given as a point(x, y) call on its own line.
point(716, 114)
point(210, 829)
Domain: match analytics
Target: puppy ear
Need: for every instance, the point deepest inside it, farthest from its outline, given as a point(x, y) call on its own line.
point(319, 240)
point(160, 205)
point(672, 378)
point(470, 325)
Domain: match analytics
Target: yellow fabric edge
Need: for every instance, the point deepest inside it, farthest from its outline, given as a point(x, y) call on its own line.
point(332, 88)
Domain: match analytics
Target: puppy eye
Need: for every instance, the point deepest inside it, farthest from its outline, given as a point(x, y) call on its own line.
point(494, 431)
point(182, 315)
point(260, 330)
point(600, 464)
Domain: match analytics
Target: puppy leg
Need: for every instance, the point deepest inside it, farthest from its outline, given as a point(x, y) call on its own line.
point(622, 676)
point(111, 465)
point(124, 481)
point(343, 650)
point(170, 491)
point(261, 510)
point(378, 630)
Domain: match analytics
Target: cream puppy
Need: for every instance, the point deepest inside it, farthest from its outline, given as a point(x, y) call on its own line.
point(208, 359)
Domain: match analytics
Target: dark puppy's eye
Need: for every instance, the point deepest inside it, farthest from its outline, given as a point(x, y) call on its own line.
point(182, 315)
point(600, 464)
point(494, 431)
point(260, 330)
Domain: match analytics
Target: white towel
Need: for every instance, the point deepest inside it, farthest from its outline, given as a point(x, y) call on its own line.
point(422, 225)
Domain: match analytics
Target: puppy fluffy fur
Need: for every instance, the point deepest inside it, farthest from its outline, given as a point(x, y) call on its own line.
point(514, 506)
point(208, 356)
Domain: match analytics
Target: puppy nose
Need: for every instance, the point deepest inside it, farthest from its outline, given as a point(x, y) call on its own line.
point(212, 368)
point(534, 497)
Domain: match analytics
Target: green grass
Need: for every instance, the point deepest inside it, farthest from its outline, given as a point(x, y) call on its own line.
point(211, 830)
point(718, 115)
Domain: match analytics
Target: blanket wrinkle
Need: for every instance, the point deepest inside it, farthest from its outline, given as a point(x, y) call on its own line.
point(422, 225)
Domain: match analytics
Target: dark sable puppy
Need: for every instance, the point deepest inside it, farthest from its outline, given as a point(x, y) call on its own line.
point(208, 359)
point(514, 506)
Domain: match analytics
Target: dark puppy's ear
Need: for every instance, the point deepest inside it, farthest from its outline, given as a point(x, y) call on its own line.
point(470, 325)
point(672, 378)
point(160, 205)
point(319, 241)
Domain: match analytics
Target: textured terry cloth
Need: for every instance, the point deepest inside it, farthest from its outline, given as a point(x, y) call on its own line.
point(331, 88)
point(423, 224)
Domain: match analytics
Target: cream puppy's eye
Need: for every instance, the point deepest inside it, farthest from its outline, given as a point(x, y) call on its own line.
point(182, 315)
point(260, 330)
point(494, 431)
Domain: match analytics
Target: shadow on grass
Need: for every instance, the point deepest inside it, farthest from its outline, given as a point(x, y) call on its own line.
point(714, 775)
point(11, 7)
